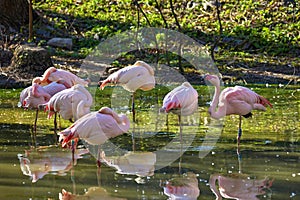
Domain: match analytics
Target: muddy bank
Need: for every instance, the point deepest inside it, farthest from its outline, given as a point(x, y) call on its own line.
point(236, 74)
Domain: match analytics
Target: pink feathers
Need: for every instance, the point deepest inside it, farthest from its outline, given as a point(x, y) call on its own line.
point(59, 75)
point(183, 100)
point(96, 127)
point(131, 78)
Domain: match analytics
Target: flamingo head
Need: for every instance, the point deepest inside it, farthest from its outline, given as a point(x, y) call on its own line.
point(213, 79)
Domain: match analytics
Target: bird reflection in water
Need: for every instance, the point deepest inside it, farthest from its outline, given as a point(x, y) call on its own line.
point(183, 187)
point(239, 186)
point(93, 193)
point(136, 163)
point(38, 162)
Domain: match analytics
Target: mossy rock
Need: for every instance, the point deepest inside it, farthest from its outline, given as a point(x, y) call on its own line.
point(30, 61)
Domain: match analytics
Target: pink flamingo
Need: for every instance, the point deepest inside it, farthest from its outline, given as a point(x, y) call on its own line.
point(33, 96)
point(131, 78)
point(54, 75)
point(70, 103)
point(236, 100)
point(96, 127)
point(182, 101)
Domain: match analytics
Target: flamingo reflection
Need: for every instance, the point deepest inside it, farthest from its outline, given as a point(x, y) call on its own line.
point(183, 187)
point(38, 162)
point(238, 186)
point(136, 163)
point(93, 193)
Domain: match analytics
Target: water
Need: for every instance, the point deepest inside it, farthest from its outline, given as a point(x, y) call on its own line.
point(150, 161)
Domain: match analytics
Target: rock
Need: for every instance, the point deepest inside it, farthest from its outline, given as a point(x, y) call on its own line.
point(5, 57)
point(29, 61)
point(61, 42)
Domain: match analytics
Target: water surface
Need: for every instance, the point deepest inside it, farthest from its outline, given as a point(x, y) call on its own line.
point(150, 161)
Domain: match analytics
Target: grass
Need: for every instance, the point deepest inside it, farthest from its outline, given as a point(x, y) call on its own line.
point(250, 29)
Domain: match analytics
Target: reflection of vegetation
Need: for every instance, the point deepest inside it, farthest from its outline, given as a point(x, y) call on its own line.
point(248, 27)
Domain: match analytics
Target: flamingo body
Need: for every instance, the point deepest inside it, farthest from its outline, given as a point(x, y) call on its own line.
point(234, 100)
point(54, 75)
point(70, 103)
point(131, 78)
point(182, 100)
point(96, 127)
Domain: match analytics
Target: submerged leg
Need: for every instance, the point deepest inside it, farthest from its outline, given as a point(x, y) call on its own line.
point(132, 107)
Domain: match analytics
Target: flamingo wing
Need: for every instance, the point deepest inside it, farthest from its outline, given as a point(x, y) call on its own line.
point(184, 99)
point(241, 100)
point(138, 76)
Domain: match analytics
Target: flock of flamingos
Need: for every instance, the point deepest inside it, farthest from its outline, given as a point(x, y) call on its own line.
point(62, 92)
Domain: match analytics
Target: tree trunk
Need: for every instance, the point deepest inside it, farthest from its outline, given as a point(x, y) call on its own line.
point(14, 13)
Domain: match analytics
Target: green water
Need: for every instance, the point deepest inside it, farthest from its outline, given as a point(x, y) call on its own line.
point(138, 163)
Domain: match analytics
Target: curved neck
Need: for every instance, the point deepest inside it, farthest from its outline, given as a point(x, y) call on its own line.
point(213, 188)
point(213, 106)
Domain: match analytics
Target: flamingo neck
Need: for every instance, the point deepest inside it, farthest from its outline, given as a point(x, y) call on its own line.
point(212, 185)
point(213, 106)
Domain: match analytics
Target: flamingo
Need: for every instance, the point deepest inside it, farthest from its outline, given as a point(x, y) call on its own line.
point(53, 75)
point(33, 96)
point(236, 100)
point(96, 127)
point(131, 78)
point(70, 103)
point(182, 101)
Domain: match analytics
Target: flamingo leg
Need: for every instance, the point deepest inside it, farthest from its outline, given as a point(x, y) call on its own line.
point(167, 121)
point(132, 107)
point(239, 132)
point(99, 157)
point(55, 127)
point(73, 151)
point(34, 126)
point(180, 127)
point(239, 137)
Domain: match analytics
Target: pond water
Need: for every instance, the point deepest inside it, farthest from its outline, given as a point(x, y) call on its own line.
point(151, 161)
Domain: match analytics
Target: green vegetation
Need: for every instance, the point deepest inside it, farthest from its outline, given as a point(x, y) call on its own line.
point(254, 33)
